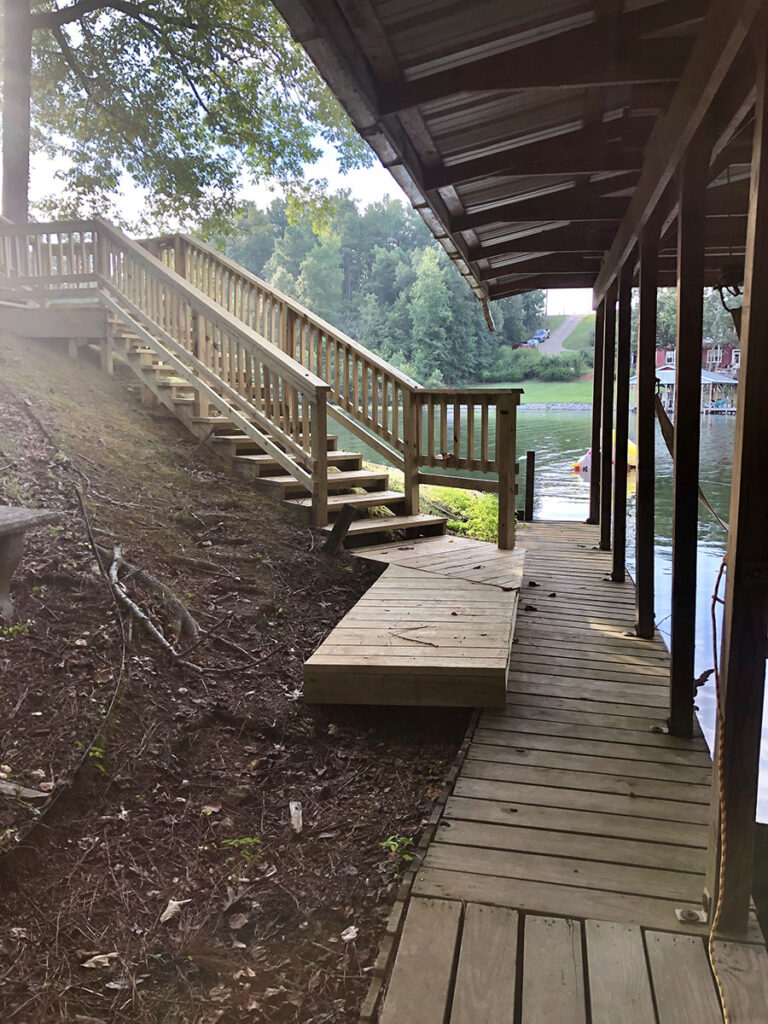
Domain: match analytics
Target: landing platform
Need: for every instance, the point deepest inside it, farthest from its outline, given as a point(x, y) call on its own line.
point(435, 629)
point(574, 835)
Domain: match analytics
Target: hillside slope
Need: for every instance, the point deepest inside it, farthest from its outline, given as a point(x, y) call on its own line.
point(170, 782)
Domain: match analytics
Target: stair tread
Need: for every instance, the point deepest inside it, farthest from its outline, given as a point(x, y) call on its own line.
point(368, 500)
point(352, 477)
point(376, 524)
point(332, 456)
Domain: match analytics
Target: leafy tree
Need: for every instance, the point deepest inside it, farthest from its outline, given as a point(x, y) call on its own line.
point(321, 280)
point(183, 98)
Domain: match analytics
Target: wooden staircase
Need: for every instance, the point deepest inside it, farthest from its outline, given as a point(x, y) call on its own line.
point(349, 483)
point(255, 376)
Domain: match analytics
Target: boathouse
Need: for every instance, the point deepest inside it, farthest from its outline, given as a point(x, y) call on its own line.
point(588, 862)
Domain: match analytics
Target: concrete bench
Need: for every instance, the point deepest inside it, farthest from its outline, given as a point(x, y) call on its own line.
point(14, 522)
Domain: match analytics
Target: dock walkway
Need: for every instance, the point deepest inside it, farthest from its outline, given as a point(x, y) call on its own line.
point(569, 859)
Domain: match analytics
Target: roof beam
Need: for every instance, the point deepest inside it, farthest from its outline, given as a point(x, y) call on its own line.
point(559, 60)
point(584, 202)
point(611, 146)
point(571, 238)
point(568, 264)
point(546, 65)
point(532, 282)
point(724, 30)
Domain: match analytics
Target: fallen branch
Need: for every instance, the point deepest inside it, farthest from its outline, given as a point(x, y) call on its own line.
point(188, 625)
point(121, 595)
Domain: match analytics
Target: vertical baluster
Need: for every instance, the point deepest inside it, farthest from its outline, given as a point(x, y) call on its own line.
point(456, 446)
point(431, 430)
point(484, 460)
point(443, 426)
point(470, 434)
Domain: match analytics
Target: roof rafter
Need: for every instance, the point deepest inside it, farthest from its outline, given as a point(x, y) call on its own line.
point(717, 46)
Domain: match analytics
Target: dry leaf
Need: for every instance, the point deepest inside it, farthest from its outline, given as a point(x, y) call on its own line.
point(297, 821)
point(100, 960)
point(350, 934)
point(172, 910)
point(238, 921)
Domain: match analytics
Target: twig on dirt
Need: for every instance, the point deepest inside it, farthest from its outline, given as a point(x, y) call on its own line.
point(189, 626)
point(119, 591)
point(26, 405)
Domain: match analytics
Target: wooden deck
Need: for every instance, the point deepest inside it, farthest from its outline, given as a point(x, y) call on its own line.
point(575, 834)
point(435, 629)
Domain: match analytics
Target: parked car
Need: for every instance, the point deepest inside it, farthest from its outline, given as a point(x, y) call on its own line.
point(542, 334)
point(533, 342)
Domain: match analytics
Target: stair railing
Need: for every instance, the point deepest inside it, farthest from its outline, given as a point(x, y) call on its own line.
point(414, 428)
point(273, 399)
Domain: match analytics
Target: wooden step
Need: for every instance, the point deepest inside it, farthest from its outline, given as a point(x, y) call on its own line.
point(382, 524)
point(263, 465)
point(336, 482)
point(375, 499)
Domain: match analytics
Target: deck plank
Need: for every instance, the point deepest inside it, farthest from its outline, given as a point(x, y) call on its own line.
point(682, 980)
point(420, 984)
point(618, 974)
point(487, 970)
point(553, 973)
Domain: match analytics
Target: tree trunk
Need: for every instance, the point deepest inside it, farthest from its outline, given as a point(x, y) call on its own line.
point(16, 91)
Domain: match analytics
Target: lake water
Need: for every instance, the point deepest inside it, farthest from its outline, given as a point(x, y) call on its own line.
point(559, 438)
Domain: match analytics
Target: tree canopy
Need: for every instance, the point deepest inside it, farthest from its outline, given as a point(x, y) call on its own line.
point(378, 275)
point(185, 98)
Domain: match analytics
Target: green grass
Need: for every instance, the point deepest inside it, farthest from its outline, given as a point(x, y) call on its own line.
point(554, 321)
point(582, 336)
point(546, 391)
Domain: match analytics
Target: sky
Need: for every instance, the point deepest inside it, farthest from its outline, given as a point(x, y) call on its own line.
point(367, 185)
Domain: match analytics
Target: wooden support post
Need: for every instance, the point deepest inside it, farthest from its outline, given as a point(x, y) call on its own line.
point(597, 401)
point(412, 450)
point(694, 175)
point(336, 537)
point(745, 618)
point(606, 418)
point(530, 474)
point(646, 434)
point(106, 353)
point(506, 430)
point(319, 442)
point(619, 569)
point(180, 256)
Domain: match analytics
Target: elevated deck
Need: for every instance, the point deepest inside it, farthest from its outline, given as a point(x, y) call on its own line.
point(564, 878)
point(435, 629)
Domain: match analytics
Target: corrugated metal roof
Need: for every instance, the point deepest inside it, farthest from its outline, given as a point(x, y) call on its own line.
point(506, 121)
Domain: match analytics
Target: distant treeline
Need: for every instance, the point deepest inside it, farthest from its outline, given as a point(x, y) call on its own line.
point(378, 275)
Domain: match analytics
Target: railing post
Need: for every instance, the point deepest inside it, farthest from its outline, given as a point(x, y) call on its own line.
point(506, 430)
point(411, 450)
point(180, 256)
point(530, 472)
point(319, 442)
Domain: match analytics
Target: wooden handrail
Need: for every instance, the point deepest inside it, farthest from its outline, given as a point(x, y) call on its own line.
point(229, 363)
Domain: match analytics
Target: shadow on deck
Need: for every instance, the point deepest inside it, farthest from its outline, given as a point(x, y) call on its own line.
point(564, 878)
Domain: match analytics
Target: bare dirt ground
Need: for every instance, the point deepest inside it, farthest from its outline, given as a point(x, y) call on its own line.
point(166, 788)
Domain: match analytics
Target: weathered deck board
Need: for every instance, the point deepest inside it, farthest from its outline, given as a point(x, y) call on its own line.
point(578, 817)
point(424, 636)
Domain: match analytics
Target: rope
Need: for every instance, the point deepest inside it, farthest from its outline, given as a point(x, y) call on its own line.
point(720, 798)
point(668, 433)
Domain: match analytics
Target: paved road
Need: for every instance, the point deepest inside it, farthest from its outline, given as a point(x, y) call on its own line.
point(554, 342)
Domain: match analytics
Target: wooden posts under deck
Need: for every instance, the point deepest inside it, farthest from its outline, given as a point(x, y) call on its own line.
point(411, 450)
point(597, 401)
point(506, 437)
point(694, 173)
point(606, 419)
point(619, 572)
point(745, 617)
point(319, 441)
point(646, 434)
